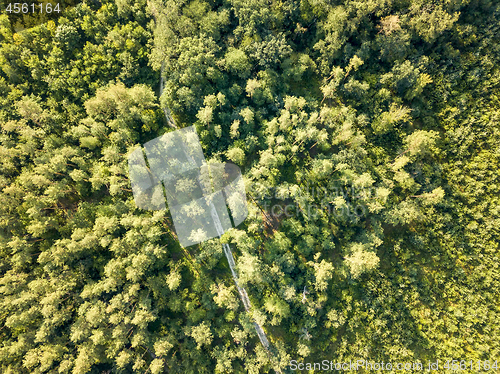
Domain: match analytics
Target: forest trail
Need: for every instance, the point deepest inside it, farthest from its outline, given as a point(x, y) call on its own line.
point(227, 250)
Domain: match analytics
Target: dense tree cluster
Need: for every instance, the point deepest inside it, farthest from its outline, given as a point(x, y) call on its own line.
point(393, 103)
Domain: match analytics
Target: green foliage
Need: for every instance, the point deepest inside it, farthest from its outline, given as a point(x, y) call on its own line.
point(367, 133)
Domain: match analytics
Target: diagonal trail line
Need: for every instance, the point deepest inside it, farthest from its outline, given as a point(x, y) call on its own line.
point(227, 250)
point(243, 293)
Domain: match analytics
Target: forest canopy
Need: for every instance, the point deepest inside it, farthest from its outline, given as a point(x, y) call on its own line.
point(368, 136)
